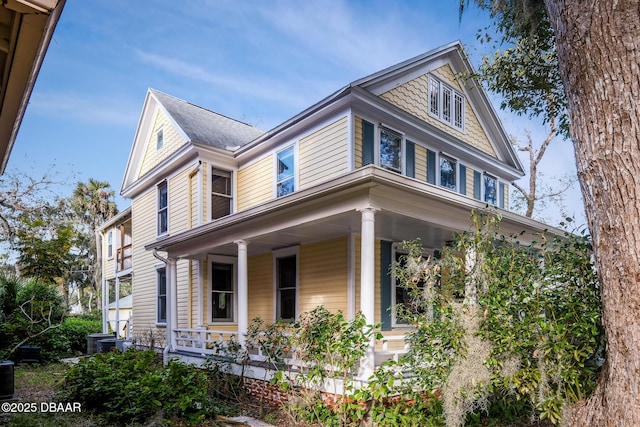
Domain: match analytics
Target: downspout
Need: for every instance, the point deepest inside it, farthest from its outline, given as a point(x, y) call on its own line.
point(104, 302)
point(165, 351)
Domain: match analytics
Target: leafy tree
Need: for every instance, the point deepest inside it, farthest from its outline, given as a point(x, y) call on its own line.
point(45, 252)
point(597, 57)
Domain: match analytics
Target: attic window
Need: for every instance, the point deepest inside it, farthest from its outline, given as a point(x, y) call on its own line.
point(446, 104)
point(159, 139)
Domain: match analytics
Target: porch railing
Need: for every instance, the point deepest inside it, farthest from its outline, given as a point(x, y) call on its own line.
point(123, 258)
point(213, 342)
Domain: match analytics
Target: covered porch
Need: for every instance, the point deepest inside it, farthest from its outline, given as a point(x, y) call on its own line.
point(366, 211)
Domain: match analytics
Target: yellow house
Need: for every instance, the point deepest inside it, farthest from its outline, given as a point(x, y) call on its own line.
point(228, 222)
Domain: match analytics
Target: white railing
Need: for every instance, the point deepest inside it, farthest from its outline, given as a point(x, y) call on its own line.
point(202, 341)
point(212, 342)
point(395, 353)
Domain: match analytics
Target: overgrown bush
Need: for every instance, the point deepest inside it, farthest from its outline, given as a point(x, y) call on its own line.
point(329, 349)
point(32, 311)
point(496, 323)
point(122, 388)
point(75, 329)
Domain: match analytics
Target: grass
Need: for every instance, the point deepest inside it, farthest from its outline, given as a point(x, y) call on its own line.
point(37, 384)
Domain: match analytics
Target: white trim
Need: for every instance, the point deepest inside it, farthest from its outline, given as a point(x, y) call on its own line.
point(221, 259)
point(351, 276)
point(296, 168)
point(442, 86)
point(231, 196)
point(166, 294)
point(285, 253)
point(164, 182)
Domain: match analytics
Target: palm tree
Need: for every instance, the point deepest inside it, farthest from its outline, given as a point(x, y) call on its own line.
point(93, 204)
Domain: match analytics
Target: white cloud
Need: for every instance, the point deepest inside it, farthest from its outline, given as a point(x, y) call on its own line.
point(82, 107)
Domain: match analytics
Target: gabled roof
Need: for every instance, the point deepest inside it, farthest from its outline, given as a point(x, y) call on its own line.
point(195, 124)
point(206, 126)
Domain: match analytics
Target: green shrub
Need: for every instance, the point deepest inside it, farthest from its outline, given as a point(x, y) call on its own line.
point(133, 386)
point(76, 329)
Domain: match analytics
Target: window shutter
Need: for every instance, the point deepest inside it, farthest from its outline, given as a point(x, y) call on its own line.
point(501, 195)
point(385, 285)
point(410, 161)
point(431, 167)
point(463, 179)
point(477, 185)
point(367, 143)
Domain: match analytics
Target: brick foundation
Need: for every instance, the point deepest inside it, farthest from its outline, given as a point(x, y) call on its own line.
point(265, 392)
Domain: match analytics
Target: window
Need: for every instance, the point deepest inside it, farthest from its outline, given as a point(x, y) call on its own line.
point(159, 139)
point(110, 244)
point(220, 193)
point(286, 172)
point(222, 292)
point(446, 103)
point(490, 190)
point(286, 268)
point(402, 297)
point(162, 295)
point(163, 202)
point(448, 172)
point(390, 150)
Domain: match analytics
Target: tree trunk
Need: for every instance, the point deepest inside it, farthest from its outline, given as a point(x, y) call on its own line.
point(599, 59)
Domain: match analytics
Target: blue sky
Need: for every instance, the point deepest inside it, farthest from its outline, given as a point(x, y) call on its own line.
point(257, 61)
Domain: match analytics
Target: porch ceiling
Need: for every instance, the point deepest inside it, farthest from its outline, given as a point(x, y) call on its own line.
point(407, 209)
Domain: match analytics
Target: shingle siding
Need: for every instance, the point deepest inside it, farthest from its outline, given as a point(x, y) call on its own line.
point(413, 97)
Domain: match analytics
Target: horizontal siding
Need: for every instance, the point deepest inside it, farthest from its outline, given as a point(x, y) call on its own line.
point(413, 98)
point(323, 154)
point(421, 163)
point(358, 142)
point(261, 288)
point(323, 276)
point(172, 142)
point(255, 183)
point(178, 187)
point(470, 183)
point(109, 262)
point(144, 281)
point(506, 195)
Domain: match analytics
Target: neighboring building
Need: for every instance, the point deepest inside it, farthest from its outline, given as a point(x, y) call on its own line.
point(119, 316)
point(229, 223)
point(26, 27)
point(116, 259)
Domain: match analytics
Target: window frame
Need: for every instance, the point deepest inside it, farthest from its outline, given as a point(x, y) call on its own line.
point(161, 272)
point(110, 244)
point(485, 177)
point(448, 105)
point(159, 138)
point(456, 162)
point(162, 211)
point(219, 259)
point(401, 148)
point(220, 195)
point(396, 251)
point(278, 255)
point(294, 174)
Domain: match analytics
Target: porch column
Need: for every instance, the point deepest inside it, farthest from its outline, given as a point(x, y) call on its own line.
point(117, 308)
point(243, 291)
point(367, 281)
